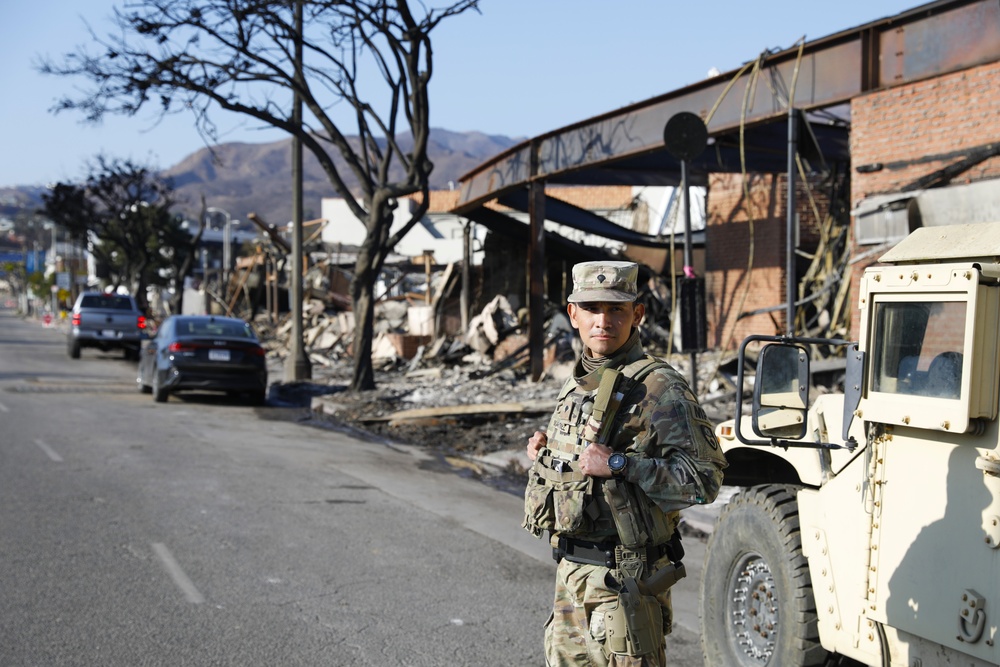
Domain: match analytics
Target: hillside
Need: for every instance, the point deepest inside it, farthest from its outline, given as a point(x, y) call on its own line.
point(244, 178)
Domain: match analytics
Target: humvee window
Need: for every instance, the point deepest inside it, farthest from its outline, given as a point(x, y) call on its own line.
point(919, 348)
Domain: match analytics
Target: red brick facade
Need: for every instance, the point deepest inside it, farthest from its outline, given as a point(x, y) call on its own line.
point(731, 247)
point(917, 129)
point(898, 136)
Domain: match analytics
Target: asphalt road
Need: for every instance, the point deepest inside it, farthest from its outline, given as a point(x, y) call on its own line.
point(203, 532)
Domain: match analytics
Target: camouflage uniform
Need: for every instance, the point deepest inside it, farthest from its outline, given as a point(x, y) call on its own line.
point(674, 462)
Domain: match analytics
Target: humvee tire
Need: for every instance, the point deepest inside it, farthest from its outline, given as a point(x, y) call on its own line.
point(757, 605)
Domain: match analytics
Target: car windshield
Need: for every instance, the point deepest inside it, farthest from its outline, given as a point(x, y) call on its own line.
point(214, 328)
point(106, 302)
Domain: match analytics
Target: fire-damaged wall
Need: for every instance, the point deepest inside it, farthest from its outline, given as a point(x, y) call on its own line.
point(933, 134)
point(745, 241)
point(900, 135)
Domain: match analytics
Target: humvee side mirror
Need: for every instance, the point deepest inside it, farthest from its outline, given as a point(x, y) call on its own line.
point(781, 392)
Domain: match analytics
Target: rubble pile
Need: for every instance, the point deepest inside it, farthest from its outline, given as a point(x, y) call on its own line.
point(471, 398)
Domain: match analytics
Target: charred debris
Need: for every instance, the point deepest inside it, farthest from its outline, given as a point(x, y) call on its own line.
point(452, 363)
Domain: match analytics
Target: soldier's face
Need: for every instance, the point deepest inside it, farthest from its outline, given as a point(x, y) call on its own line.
point(604, 326)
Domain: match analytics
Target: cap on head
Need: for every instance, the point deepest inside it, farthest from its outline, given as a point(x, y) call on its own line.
point(604, 281)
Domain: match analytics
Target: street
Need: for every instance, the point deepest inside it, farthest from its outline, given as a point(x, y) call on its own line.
point(205, 532)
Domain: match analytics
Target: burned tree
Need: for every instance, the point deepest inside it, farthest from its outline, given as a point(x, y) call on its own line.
point(373, 56)
point(122, 213)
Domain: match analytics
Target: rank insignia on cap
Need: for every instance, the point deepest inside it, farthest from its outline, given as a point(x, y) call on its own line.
point(604, 282)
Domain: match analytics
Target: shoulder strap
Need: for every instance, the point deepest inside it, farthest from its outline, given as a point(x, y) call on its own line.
point(609, 394)
point(606, 404)
point(638, 370)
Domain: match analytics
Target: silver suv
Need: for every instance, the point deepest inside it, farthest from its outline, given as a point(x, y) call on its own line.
point(107, 322)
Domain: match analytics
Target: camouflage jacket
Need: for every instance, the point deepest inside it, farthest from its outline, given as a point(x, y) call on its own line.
point(674, 457)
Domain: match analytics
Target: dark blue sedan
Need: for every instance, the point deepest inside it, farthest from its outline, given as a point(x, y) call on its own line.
point(203, 353)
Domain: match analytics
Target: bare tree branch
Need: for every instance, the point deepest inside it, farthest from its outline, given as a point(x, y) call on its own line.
point(209, 56)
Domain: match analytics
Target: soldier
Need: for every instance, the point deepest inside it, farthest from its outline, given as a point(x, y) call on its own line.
point(627, 447)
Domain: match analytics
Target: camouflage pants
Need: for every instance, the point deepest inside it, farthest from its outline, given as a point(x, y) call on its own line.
point(575, 633)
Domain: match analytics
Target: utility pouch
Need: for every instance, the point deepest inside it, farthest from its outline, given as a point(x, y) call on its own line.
point(634, 626)
point(558, 497)
point(624, 508)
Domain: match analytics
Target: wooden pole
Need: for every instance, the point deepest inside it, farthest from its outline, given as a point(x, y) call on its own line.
point(536, 271)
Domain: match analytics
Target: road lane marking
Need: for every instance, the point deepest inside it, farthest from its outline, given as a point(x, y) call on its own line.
point(51, 453)
point(4, 408)
point(173, 568)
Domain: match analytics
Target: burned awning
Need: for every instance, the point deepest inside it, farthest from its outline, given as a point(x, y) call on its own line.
point(564, 213)
point(746, 110)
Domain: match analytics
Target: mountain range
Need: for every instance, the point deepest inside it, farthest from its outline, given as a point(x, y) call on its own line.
point(243, 178)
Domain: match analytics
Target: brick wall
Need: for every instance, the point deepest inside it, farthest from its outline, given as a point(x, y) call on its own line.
point(916, 129)
point(733, 219)
point(731, 214)
point(919, 128)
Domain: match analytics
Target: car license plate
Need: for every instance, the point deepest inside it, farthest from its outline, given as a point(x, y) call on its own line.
point(218, 355)
point(109, 333)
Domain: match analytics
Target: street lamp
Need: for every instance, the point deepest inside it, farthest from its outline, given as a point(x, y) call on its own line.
point(227, 242)
point(297, 364)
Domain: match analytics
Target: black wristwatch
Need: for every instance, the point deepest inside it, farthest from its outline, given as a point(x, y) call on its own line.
point(617, 462)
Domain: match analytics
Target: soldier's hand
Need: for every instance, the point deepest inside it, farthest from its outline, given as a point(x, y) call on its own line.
point(594, 460)
point(535, 444)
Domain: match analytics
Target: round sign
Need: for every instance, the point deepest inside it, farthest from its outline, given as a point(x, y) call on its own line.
point(685, 135)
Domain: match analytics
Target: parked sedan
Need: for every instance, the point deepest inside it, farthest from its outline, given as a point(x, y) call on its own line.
point(203, 353)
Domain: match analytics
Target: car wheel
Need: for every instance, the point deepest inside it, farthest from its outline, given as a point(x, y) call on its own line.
point(159, 393)
point(258, 398)
point(74, 350)
point(757, 605)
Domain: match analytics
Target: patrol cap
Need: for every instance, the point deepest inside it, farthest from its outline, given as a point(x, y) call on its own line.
point(604, 281)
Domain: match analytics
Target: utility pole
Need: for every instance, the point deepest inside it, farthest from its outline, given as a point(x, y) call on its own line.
point(685, 137)
point(536, 271)
point(297, 366)
point(790, 279)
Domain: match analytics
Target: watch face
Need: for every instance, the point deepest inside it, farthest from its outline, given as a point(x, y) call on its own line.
point(616, 462)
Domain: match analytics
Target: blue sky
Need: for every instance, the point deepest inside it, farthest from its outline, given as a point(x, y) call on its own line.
point(519, 68)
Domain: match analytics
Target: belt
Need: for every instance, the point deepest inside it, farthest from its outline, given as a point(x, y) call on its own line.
point(599, 553)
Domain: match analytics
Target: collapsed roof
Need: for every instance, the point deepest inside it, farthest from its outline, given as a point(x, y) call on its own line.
point(746, 112)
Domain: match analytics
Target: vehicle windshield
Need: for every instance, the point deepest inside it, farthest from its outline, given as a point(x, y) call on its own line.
point(214, 328)
point(919, 348)
point(106, 302)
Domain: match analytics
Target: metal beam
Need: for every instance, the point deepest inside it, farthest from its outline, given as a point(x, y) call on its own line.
point(536, 281)
point(926, 41)
point(581, 219)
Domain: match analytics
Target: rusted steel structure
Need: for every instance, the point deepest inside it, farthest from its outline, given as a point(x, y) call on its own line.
point(747, 114)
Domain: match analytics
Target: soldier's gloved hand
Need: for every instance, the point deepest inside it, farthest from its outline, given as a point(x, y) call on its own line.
point(536, 443)
point(594, 460)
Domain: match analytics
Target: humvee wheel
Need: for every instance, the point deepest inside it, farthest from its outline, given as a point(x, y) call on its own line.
point(757, 604)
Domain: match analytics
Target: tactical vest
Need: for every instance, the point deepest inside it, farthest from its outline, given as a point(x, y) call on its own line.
point(559, 498)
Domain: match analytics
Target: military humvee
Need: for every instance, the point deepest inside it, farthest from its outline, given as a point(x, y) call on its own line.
point(867, 526)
